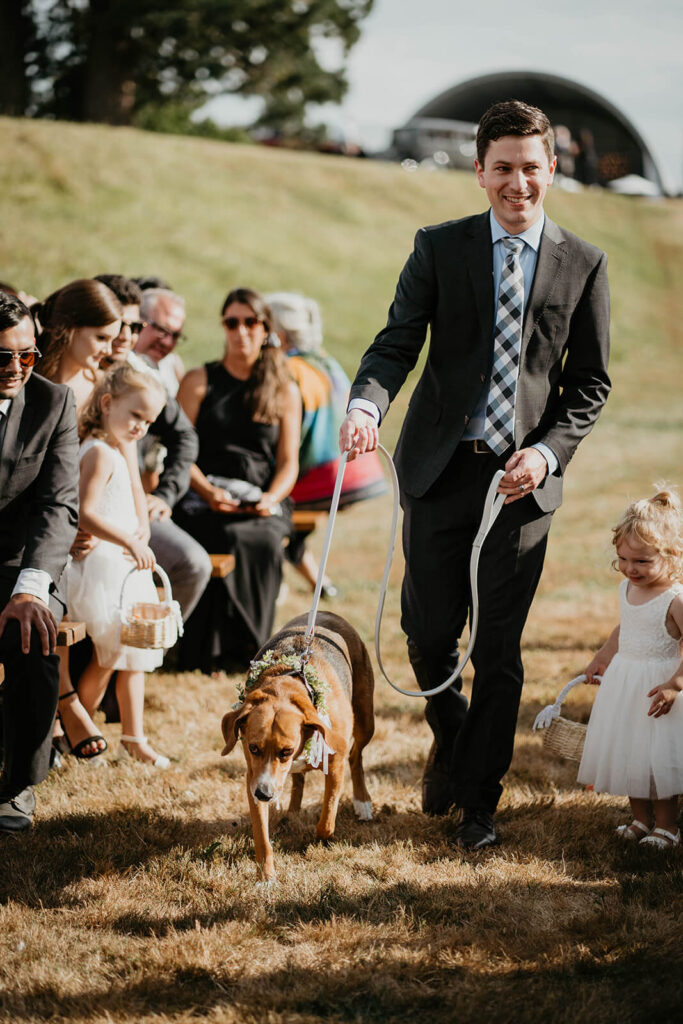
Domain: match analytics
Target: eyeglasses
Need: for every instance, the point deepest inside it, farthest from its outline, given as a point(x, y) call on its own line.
point(134, 326)
point(25, 358)
point(164, 331)
point(233, 322)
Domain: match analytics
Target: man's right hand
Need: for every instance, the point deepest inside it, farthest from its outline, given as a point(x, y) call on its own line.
point(358, 434)
point(84, 543)
point(31, 613)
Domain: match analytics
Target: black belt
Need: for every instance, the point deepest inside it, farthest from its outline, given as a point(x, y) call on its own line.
point(478, 446)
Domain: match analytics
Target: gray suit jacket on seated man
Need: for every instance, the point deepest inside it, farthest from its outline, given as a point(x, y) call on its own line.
point(38, 521)
point(445, 458)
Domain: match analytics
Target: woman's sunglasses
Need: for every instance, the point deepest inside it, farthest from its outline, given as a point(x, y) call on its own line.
point(25, 358)
point(233, 322)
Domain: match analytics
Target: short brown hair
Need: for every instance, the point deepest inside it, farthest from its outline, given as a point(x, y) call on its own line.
point(513, 117)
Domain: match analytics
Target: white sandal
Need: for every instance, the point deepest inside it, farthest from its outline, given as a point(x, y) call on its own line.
point(636, 830)
point(124, 754)
point(662, 839)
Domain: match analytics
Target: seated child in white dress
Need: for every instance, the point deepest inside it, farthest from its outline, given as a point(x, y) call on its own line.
point(118, 414)
point(634, 741)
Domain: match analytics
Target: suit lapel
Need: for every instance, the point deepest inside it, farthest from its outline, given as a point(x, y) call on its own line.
point(479, 259)
point(549, 268)
point(15, 436)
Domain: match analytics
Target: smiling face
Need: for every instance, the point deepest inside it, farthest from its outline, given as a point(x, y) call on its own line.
point(17, 339)
point(163, 329)
point(641, 563)
point(87, 346)
point(516, 175)
point(127, 337)
point(129, 416)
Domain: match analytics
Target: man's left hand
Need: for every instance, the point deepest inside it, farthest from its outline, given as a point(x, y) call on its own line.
point(524, 471)
point(31, 613)
point(157, 508)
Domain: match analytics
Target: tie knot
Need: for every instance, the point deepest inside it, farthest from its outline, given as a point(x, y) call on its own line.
point(514, 246)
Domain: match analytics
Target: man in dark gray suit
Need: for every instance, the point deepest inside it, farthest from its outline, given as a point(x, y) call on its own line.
point(38, 520)
point(515, 377)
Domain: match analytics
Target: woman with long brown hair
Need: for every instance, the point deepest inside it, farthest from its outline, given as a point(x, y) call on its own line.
point(79, 324)
point(247, 412)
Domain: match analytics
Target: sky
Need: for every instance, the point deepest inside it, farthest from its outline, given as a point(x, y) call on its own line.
point(628, 51)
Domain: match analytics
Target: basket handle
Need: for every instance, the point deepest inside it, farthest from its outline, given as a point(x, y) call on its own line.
point(166, 583)
point(545, 717)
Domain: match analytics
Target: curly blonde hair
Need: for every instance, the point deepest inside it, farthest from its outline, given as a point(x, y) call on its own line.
point(116, 382)
point(655, 521)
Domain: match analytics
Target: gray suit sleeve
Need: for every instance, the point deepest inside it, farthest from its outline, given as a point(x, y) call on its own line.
point(53, 516)
point(584, 381)
point(396, 349)
point(179, 437)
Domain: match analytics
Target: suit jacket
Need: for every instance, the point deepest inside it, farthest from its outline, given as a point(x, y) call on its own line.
point(179, 437)
point(447, 284)
point(39, 480)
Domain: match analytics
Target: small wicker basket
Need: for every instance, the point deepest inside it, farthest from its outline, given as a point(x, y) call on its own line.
point(562, 736)
point(151, 625)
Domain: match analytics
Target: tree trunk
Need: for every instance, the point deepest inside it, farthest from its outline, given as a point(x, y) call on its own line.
point(15, 30)
point(109, 91)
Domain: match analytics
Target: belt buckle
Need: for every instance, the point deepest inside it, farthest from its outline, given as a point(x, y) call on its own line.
point(480, 446)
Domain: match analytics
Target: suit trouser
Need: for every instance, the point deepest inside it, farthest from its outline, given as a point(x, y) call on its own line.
point(474, 743)
point(28, 704)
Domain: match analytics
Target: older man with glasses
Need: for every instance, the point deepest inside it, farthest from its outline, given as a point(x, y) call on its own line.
point(163, 315)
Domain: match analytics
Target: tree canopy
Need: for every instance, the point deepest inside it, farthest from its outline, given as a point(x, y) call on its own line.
point(110, 60)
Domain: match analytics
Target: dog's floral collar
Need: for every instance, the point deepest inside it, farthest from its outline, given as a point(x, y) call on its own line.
point(314, 683)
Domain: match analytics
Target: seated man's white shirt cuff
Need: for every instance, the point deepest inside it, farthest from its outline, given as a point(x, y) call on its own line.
point(36, 582)
point(549, 456)
point(365, 406)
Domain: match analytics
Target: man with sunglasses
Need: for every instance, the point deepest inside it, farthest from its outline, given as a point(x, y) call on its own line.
point(38, 520)
point(163, 315)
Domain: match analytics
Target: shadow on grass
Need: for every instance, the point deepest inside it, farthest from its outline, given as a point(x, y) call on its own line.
point(379, 989)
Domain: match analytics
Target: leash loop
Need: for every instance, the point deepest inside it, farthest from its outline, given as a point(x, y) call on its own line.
point(492, 507)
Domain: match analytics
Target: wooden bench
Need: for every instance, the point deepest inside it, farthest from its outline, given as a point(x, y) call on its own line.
point(70, 633)
point(305, 521)
point(221, 566)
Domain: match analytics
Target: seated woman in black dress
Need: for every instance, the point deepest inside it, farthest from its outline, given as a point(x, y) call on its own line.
point(247, 413)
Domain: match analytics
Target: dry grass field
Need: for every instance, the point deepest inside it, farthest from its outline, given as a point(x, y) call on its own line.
point(135, 897)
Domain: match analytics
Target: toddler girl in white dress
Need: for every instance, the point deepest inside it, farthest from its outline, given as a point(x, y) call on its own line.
point(634, 742)
point(119, 412)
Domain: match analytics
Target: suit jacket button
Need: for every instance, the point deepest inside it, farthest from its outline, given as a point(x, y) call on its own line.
point(467, 420)
point(482, 377)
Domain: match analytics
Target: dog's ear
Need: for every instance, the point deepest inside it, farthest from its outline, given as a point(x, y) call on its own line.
point(233, 722)
point(232, 725)
point(313, 723)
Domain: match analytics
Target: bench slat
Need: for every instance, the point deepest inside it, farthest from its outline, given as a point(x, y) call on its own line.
point(221, 566)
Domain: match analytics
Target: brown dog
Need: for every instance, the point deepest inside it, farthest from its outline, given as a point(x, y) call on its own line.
point(278, 716)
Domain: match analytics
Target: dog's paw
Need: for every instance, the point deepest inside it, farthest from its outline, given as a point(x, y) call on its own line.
point(267, 884)
point(363, 809)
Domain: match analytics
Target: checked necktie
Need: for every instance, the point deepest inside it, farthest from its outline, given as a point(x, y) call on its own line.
point(499, 427)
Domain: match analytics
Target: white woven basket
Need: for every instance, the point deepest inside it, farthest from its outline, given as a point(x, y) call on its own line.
point(153, 625)
point(562, 736)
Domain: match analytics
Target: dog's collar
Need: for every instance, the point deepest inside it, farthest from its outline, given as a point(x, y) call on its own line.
point(290, 664)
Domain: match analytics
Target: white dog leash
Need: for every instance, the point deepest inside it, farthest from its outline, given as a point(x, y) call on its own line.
point(492, 506)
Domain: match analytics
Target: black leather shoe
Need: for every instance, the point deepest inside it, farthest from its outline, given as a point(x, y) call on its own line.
point(476, 829)
point(437, 795)
point(16, 813)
